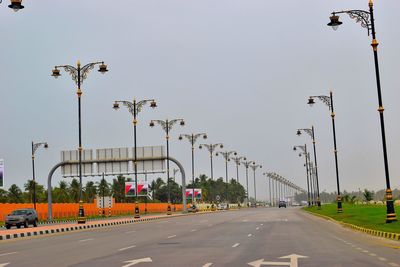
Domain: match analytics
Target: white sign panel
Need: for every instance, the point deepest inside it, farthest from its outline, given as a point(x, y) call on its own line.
point(112, 167)
point(72, 170)
point(149, 152)
point(1, 173)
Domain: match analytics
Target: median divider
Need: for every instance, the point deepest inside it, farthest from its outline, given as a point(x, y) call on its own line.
point(69, 227)
point(387, 235)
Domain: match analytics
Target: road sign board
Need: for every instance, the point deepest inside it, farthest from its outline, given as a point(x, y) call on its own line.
point(1, 173)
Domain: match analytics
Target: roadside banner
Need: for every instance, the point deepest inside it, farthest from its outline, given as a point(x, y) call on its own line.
point(143, 189)
point(197, 193)
point(1, 173)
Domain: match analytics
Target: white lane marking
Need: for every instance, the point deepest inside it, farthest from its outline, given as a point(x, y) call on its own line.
point(4, 264)
point(171, 236)
point(84, 240)
point(262, 224)
point(249, 235)
point(372, 254)
point(130, 232)
point(9, 253)
point(393, 264)
point(257, 228)
point(134, 262)
point(382, 259)
point(193, 230)
point(365, 251)
point(207, 264)
point(359, 248)
point(122, 249)
point(245, 220)
point(236, 245)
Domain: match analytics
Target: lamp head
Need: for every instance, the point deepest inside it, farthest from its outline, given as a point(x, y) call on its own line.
point(294, 148)
point(204, 136)
point(234, 153)
point(200, 146)
point(103, 68)
point(55, 73)
point(153, 104)
point(116, 106)
point(16, 5)
point(311, 101)
point(334, 23)
point(46, 145)
point(151, 124)
point(182, 123)
point(298, 132)
point(221, 146)
point(180, 137)
point(216, 154)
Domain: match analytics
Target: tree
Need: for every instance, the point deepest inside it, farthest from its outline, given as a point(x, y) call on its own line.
point(14, 194)
point(118, 189)
point(368, 195)
point(61, 193)
point(3, 196)
point(74, 190)
point(155, 186)
point(90, 192)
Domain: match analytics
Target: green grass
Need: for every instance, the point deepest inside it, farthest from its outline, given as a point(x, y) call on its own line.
point(367, 216)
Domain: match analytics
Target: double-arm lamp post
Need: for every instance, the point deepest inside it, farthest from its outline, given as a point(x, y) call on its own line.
point(306, 156)
point(135, 107)
point(167, 125)
point(247, 165)
point(35, 147)
point(211, 149)
point(79, 74)
point(367, 21)
point(237, 160)
point(311, 133)
point(254, 167)
point(226, 155)
point(192, 138)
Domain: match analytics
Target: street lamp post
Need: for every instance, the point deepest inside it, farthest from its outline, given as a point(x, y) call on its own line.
point(15, 5)
point(237, 160)
point(254, 166)
point(35, 146)
point(226, 155)
point(79, 74)
point(311, 133)
point(135, 107)
point(328, 100)
point(306, 155)
point(167, 125)
point(247, 165)
point(211, 149)
point(192, 138)
point(367, 21)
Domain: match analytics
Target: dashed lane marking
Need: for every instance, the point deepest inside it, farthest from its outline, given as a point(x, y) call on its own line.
point(257, 228)
point(171, 236)
point(130, 232)
point(249, 235)
point(393, 264)
point(85, 240)
point(122, 249)
point(207, 264)
point(236, 245)
point(372, 254)
point(193, 230)
point(8, 253)
point(382, 259)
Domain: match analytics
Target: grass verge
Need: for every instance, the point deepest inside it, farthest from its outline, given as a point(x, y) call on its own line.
point(367, 216)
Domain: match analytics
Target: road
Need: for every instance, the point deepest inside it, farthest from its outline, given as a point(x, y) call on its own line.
point(249, 237)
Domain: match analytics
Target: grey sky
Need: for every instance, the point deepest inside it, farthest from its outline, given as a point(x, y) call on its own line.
point(240, 70)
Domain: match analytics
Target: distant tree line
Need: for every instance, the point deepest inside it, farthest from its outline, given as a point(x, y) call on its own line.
point(68, 192)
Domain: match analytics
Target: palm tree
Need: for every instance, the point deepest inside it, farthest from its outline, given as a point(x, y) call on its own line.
point(14, 194)
point(74, 190)
point(3, 196)
point(29, 188)
point(118, 189)
point(90, 192)
point(61, 193)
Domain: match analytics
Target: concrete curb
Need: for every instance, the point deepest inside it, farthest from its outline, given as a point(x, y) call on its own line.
point(63, 229)
point(387, 235)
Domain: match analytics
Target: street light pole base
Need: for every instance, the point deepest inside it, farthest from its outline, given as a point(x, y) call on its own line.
point(390, 212)
point(169, 209)
point(339, 204)
point(137, 212)
point(81, 213)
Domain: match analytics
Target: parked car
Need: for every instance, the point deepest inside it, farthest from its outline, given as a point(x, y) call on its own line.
point(282, 204)
point(21, 217)
point(222, 206)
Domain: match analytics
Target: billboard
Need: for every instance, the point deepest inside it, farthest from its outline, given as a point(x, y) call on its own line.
point(143, 189)
point(1, 173)
point(110, 168)
point(72, 170)
point(197, 193)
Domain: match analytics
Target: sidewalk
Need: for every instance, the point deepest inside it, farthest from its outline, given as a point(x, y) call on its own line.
point(67, 227)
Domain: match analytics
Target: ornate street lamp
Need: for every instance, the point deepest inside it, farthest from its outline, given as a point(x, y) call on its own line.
point(237, 160)
point(167, 125)
point(35, 147)
point(247, 165)
point(226, 155)
point(367, 21)
point(211, 149)
point(254, 166)
point(306, 155)
point(79, 74)
point(311, 133)
point(192, 138)
point(134, 108)
point(328, 100)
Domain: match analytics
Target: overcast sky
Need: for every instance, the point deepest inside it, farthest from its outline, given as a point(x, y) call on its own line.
point(239, 70)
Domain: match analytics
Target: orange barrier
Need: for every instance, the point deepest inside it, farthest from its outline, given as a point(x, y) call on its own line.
point(70, 210)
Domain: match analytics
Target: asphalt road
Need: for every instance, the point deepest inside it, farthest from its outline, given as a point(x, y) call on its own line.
point(249, 237)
